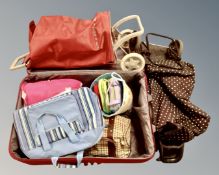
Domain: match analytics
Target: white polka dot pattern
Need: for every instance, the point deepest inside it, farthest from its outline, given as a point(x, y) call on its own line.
point(171, 87)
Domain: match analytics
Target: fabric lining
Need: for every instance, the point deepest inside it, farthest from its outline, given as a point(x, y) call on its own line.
point(142, 141)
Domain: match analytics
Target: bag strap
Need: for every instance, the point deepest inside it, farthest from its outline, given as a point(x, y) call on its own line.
point(79, 157)
point(155, 34)
point(63, 123)
point(111, 143)
point(175, 43)
point(174, 50)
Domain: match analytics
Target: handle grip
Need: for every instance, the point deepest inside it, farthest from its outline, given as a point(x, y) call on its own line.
point(128, 36)
point(15, 66)
point(63, 123)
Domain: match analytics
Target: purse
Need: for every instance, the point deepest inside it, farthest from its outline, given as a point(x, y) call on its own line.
point(171, 81)
point(116, 138)
point(64, 124)
point(33, 92)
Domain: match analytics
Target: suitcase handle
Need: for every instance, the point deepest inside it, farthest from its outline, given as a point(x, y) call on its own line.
point(15, 65)
point(128, 36)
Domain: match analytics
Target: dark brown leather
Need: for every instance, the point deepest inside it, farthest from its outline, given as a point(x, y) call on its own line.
point(112, 149)
point(170, 153)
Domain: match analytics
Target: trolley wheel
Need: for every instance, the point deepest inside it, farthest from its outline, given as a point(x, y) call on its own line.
point(132, 62)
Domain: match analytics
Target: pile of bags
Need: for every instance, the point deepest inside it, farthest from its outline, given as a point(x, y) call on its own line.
point(109, 114)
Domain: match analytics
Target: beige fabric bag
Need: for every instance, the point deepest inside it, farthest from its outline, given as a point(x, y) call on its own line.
point(115, 141)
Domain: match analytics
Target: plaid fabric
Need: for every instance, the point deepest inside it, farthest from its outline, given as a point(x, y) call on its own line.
point(120, 141)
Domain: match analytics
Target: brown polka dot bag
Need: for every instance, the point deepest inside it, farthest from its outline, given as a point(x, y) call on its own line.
point(171, 81)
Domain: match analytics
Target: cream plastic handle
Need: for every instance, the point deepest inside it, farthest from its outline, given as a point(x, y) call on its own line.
point(14, 65)
point(131, 35)
point(181, 47)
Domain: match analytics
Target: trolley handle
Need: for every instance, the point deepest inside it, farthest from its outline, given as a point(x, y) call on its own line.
point(15, 65)
point(131, 35)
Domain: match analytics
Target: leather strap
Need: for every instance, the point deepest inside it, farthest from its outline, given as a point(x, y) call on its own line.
point(111, 145)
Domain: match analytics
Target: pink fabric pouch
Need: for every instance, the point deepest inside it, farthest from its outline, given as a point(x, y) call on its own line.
point(41, 90)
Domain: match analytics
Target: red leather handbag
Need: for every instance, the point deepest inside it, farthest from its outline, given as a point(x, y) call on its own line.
point(62, 42)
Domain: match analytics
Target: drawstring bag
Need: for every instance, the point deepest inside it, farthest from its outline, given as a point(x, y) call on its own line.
point(171, 81)
point(64, 124)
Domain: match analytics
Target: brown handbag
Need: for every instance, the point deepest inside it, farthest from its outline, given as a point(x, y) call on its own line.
point(171, 81)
